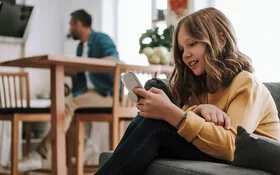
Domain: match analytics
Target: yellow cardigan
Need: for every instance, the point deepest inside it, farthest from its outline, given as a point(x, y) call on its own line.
point(247, 102)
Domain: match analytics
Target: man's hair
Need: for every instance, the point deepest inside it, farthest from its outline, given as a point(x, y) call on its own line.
point(222, 63)
point(82, 16)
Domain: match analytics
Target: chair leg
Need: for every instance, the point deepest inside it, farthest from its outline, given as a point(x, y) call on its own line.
point(111, 134)
point(121, 129)
point(115, 132)
point(27, 129)
point(14, 146)
point(70, 139)
point(80, 147)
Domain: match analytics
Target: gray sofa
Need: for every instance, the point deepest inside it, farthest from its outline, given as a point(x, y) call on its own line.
point(184, 167)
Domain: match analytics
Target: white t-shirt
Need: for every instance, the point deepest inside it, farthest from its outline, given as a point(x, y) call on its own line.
point(85, 54)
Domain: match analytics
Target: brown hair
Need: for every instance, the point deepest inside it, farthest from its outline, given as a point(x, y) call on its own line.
point(222, 63)
point(82, 16)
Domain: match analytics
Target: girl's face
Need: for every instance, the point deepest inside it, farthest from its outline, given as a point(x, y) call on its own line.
point(193, 52)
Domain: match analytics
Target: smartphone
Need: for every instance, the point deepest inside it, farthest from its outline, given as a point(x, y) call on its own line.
point(131, 81)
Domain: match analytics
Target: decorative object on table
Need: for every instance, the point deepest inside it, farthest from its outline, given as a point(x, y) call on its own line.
point(179, 7)
point(156, 45)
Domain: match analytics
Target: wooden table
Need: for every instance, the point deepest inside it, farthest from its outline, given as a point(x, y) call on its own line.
point(58, 64)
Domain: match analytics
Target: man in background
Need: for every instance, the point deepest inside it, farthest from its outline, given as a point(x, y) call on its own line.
point(88, 90)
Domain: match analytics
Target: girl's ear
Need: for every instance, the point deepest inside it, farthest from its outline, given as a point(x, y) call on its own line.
point(222, 39)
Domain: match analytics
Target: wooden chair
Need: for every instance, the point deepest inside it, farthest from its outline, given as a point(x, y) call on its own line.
point(15, 107)
point(123, 109)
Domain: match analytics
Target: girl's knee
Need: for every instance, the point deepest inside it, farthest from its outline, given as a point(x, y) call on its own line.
point(154, 124)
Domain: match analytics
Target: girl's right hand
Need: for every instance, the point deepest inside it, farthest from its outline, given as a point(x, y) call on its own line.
point(213, 114)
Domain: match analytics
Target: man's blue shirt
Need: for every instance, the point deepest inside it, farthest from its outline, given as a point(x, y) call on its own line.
point(99, 45)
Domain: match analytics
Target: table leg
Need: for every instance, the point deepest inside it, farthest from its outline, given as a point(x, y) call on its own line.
point(14, 150)
point(57, 120)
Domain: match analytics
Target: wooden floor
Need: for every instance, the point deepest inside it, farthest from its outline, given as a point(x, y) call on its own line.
point(88, 170)
point(49, 173)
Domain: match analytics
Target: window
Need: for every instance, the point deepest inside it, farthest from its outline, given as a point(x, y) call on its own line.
point(257, 29)
point(134, 19)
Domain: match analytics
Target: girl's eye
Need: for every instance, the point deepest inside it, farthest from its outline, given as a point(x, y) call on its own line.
point(193, 43)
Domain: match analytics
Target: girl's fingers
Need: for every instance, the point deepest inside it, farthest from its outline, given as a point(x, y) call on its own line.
point(227, 121)
point(214, 118)
point(155, 90)
point(141, 92)
point(221, 120)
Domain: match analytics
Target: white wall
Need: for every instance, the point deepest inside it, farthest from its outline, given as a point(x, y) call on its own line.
point(134, 18)
point(109, 20)
point(44, 38)
point(9, 50)
point(196, 5)
point(257, 29)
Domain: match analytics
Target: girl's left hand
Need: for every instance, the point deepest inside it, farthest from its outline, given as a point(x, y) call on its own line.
point(213, 114)
point(153, 103)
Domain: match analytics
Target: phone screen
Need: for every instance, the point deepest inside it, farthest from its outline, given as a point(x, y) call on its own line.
point(131, 81)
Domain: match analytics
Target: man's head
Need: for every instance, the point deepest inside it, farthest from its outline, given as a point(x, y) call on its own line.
point(80, 20)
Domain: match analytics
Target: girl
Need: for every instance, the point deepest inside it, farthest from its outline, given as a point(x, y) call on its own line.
point(213, 90)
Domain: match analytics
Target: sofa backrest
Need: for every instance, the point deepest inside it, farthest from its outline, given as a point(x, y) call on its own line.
point(274, 89)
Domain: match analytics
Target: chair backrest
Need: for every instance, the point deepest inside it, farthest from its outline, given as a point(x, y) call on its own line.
point(123, 107)
point(14, 90)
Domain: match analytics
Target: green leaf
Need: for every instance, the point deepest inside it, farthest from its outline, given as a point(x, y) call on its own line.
point(156, 39)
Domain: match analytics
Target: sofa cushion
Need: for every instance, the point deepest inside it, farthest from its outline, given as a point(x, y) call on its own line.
point(258, 152)
point(93, 110)
point(24, 110)
point(185, 167)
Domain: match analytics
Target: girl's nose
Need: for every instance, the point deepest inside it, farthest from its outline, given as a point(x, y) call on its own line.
point(186, 54)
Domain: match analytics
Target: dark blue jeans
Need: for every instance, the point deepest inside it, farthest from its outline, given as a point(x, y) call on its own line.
point(145, 140)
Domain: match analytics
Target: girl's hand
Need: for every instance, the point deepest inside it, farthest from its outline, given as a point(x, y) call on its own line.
point(153, 103)
point(213, 114)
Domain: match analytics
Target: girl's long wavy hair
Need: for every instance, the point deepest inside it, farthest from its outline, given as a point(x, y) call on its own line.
point(223, 59)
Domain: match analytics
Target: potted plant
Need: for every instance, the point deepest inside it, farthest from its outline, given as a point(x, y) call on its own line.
point(156, 46)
